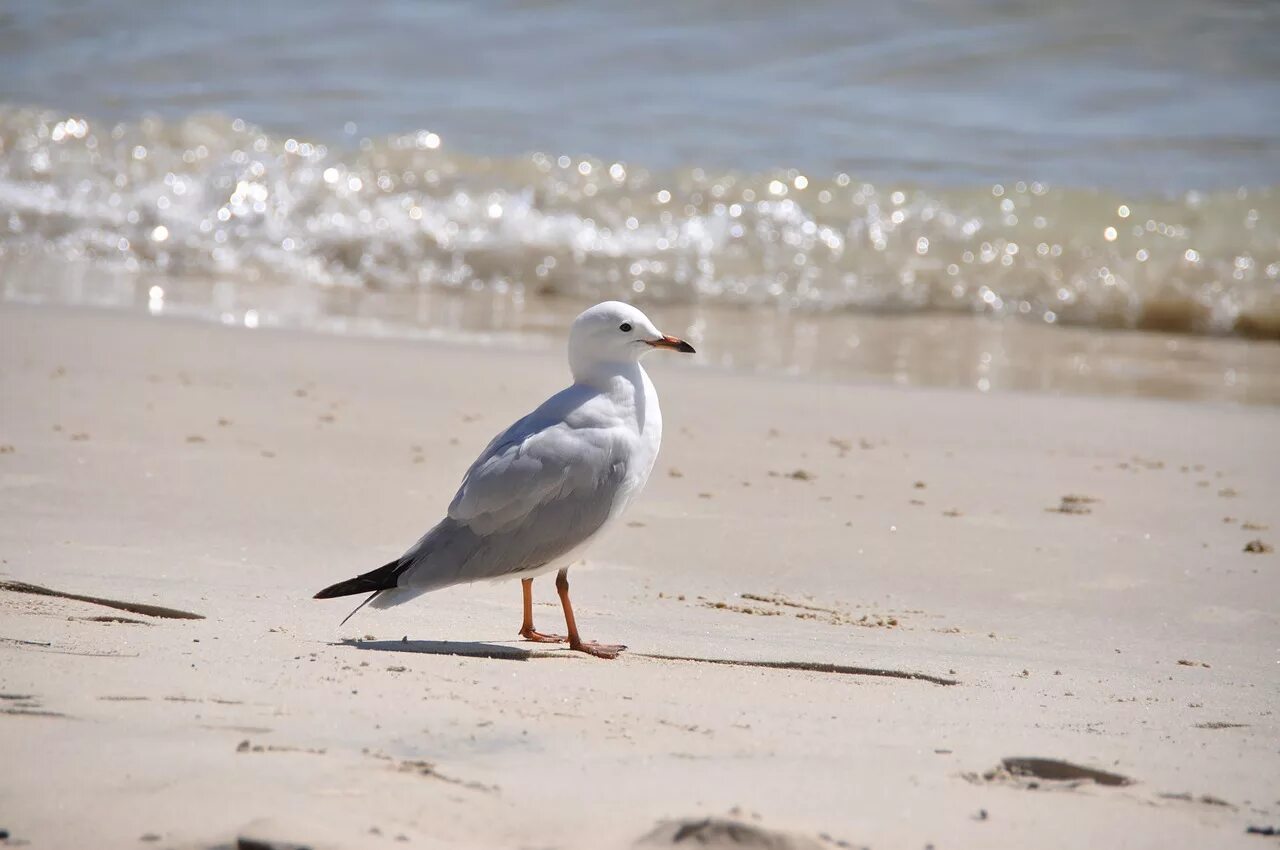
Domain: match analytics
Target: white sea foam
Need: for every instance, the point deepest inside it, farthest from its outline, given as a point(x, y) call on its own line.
point(209, 198)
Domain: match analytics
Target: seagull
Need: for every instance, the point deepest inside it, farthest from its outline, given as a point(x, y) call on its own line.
point(550, 484)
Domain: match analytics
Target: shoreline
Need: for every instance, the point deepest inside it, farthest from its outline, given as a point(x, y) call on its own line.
point(918, 350)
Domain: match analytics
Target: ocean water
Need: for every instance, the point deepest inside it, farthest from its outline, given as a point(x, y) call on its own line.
point(339, 166)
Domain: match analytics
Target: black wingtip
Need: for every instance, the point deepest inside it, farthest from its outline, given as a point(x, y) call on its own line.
point(383, 578)
point(350, 587)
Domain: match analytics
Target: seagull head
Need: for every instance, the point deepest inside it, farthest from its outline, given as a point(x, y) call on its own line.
point(615, 333)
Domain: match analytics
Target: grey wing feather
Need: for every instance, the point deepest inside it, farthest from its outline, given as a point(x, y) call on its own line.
point(527, 463)
point(535, 494)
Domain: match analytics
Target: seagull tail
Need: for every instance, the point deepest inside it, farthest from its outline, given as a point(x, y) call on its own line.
point(383, 578)
point(396, 596)
point(370, 598)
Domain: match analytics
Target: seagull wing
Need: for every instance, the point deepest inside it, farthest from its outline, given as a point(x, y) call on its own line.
point(556, 449)
point(541, 489)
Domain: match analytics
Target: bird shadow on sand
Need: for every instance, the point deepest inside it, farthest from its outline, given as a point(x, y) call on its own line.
point(478, 649)
point(465, 649)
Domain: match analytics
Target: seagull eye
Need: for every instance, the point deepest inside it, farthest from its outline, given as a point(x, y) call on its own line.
point(625, 327)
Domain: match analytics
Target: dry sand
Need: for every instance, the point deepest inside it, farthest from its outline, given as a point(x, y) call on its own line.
point(233, 473)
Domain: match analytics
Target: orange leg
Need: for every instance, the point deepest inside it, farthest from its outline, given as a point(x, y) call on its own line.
point(527, 631)
point(599, 650)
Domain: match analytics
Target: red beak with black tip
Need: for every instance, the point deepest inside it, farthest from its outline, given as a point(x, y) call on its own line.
point(674, 343)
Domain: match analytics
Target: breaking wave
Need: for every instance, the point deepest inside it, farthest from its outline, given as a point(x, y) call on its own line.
point(209, 198)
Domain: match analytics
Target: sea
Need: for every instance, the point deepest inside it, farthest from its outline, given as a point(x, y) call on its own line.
point(1078, 197)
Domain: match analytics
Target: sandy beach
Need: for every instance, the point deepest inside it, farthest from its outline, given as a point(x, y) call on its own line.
point(947, 580)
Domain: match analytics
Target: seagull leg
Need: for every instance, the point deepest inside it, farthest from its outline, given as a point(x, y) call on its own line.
point(527, 631)
point(599, 650)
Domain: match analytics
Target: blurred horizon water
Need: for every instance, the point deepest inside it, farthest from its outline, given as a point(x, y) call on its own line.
point(1104, 166)
point(1140, 96)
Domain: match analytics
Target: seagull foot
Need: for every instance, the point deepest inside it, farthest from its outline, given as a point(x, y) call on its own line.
point(538, 637)
point(599, 650)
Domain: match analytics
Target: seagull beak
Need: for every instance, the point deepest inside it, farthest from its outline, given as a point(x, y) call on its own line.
point(673, 343)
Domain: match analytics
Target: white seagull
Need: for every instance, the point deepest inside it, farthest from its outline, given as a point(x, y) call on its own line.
point(548, 485)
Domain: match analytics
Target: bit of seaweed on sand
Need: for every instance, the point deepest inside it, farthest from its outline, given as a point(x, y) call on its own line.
point(21, 642)
point(742, 609)
point(1074, 504)
point(245, 842)
point(804, 611)
point(1187, 797)
point(418, 767)
point(31, 712)
point(132, 607)
point(1032, 773)
point(1258, 547)
point(426, 768)
point(25, 705)
point(806, 666)
point(779, 599)
point(46, 646)
point(723, 832)
point(246, 746)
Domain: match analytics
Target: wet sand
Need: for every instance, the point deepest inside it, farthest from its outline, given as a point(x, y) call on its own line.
point(946, 349)
point(847, 606)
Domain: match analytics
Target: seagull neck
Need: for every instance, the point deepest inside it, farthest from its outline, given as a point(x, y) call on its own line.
point(605, 377)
